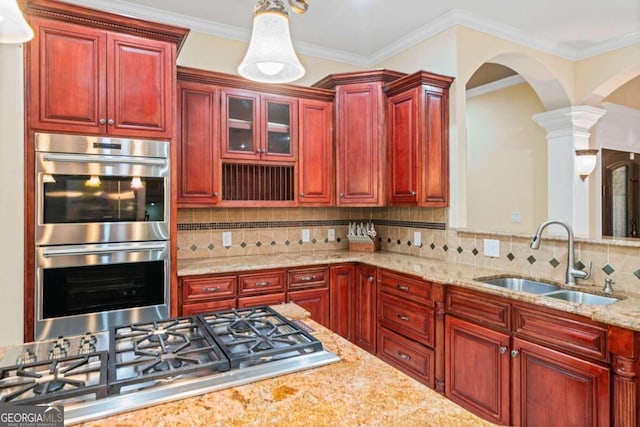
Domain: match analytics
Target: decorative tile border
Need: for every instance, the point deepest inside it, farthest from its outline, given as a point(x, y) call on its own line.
point(204, 226)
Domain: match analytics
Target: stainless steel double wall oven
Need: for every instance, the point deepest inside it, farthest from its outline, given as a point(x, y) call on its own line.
point(101, 233)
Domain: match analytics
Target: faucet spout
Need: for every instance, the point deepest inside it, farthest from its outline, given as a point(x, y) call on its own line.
point(572, 272)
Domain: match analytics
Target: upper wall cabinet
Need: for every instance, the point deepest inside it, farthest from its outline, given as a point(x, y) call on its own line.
point(361, 135)
point(258, 127)
point(418, 112)
point(88, 74)
point(244, 143)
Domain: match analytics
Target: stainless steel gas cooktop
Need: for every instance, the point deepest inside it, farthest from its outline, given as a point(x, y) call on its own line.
point(144, 364)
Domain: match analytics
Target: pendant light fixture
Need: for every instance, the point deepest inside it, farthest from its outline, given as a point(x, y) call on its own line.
point(13, 27)
point(270, 57)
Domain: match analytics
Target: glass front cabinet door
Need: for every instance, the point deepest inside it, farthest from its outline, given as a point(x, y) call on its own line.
point(258, 127)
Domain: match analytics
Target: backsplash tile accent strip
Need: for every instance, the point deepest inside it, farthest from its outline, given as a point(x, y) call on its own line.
point(244, 225)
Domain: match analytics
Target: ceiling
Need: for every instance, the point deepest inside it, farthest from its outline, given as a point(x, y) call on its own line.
point(365, 32)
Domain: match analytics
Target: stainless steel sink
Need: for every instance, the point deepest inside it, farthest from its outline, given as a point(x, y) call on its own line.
point(582, 297)
point(519, 284)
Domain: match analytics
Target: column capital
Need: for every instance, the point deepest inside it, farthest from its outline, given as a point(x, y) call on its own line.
point(570, 121)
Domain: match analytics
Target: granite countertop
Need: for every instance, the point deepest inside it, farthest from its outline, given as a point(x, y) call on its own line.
point(624, 313)
point(359, 390)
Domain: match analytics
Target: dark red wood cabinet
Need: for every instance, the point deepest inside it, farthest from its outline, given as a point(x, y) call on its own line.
point(309, 288)
point(315, 153)
point(92, 81)
point(418, 119)
point(198, 144)
point(341, 300)
point(544, 368)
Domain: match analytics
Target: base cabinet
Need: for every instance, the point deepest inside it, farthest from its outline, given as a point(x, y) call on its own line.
point(493, 371)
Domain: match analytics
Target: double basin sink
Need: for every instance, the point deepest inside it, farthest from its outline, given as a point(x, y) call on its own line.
point(548, 290)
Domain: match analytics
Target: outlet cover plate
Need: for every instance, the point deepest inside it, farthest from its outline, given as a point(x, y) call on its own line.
point(305, 235)
point(226, 239)
point(492, 248)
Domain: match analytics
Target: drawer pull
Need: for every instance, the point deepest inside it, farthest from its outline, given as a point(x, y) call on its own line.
point(263, 284)
point(402, 288)
point(209, 290)
point(402, 317)
point(404, 356)
point(307, 278)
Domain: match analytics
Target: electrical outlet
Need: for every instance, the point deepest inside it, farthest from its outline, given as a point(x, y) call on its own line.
point(492, 248)
point(516, 217)
point(417, 238)
point(331, 235)
point(226, 239)
point(305, 235)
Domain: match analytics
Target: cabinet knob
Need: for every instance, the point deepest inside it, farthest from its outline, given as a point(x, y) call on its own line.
point(215, 194)
point(371, 279)
point(515, 353)
point(413, 193)
point(341, 194)
point(301, 194)
point(404, 356)
point(102, 121)
point(110, 122)
point(503, 350)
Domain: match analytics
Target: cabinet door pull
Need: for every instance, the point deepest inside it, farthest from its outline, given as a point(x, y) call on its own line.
point(402, 288)
point(402, 317)
point(102, 121)
point(341, 194)
point(263, 284)
point(208, 290)
point(404, 356)
point(503, 349)
point(307, 278)
point(371, 279)
point(110, 122)
point(301, 194)
point(515, 353)
point(413, 193)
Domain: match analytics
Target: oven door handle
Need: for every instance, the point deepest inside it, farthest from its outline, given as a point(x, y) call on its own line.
point(78, 158)
point(49, 253)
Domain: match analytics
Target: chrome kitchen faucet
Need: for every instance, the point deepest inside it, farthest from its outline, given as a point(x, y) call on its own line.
point(572, 272)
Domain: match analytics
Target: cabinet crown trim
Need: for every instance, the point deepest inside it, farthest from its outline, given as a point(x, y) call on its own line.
point(418, 79)
point(104, 20)
point(381, 75)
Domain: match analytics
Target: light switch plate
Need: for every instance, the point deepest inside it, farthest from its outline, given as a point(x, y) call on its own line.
point(417, 238)
point(305, 235)
point(226, 239)
point(516, 217)
point(492, 248)
point(331, 235)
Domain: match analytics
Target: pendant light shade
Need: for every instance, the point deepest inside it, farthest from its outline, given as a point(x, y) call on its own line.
point(13, 27)
point(270, 57)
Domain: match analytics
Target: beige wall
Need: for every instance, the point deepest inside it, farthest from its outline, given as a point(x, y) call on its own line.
point(217, 54)
point(11, 194)
point(507, 161)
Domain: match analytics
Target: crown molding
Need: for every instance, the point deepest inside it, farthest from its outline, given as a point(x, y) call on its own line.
point(449, 19)
point(497, 85)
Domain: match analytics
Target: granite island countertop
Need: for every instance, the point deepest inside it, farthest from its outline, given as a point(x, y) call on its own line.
point(359, 390)
point(624, 313)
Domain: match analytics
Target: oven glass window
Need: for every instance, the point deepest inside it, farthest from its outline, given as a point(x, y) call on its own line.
point(91, 289)
point(86, 199)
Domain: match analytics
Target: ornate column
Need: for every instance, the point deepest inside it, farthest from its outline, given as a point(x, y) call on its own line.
point(568, 130)
point(623, 345)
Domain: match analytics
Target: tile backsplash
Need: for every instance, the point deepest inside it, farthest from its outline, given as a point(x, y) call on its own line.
point(277, 230)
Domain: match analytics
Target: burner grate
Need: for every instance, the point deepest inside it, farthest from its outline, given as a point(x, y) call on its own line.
point(144, 354)
point(257, 335)
point(55, 380)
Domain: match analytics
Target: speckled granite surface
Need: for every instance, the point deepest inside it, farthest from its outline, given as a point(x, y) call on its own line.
point(359, 390)
point(624, 313)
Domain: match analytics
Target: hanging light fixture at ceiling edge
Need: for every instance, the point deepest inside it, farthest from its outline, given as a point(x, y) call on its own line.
point(13, 27)
point(270, 57)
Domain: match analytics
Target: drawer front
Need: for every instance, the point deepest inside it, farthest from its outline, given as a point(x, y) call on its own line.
point(199, 288)
point(259, 300)
point(273, 281)
point(410, 357)
point(207, 307)
point(479, 308)
point(561, 331)
point(407, 318)
point(406, 287)
point(309, 278)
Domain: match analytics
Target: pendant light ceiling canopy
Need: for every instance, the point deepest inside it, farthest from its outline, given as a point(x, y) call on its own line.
point(13, 27)
point(270, 57)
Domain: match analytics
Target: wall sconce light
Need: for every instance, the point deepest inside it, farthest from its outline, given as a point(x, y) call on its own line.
point(13, 27)
point(586, 162)
point(270, 57)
